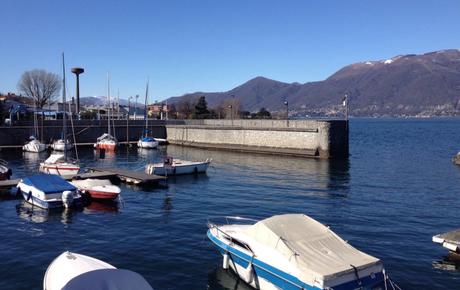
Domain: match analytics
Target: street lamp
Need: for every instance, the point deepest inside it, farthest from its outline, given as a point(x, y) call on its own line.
point(286, 103)
point(127, 120)
point(231, 112)
point(135, 107)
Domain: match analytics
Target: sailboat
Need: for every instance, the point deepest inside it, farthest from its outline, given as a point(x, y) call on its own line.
point(147, 141)
point(107, 141)
point(59, 163)
point(62, 144)
point(34, 145)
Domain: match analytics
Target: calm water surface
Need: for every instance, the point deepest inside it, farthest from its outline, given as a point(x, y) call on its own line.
point(398, 189)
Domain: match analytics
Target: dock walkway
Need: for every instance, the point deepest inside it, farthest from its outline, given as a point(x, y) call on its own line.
point(129, 176)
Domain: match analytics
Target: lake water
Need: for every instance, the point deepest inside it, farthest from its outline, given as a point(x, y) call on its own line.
point(398, 189)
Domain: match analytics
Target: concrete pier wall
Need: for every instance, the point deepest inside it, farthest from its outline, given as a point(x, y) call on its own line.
point(307, 138)
point(86, 131)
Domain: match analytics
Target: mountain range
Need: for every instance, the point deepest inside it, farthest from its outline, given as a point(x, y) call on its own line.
point(405, 85)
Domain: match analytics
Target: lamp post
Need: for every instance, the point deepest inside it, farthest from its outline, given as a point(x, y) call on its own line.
point(77, 71)
point(127, 120)
point(231, 112)
point(135, 107)
point(286, 103)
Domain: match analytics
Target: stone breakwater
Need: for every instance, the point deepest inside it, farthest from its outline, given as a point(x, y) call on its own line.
point(306, 138)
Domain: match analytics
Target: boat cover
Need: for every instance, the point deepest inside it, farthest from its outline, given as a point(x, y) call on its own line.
point(108, 279)
point(310, 246)
point(48, 183)
point(54, 158)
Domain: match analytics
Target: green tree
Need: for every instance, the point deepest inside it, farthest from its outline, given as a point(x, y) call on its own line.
point(263, 114)
point(201, 109)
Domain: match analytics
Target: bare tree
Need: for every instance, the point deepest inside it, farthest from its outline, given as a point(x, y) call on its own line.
point(185, 108)
point(40, 85)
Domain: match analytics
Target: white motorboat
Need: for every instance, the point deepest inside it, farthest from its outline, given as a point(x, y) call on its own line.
point(171, 166)
point(294, 251)
point(48, 191)
point(101, 189)
point(5, 172)
point(57, 164)
point(34, 145)
point(62, 145)
point(72, 271)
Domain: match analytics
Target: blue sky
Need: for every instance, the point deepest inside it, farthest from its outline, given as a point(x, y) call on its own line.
point(186, 46)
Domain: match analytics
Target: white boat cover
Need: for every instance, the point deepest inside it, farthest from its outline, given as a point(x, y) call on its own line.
point(108, 279)
point(54, 158)
point(89, 183)
point(316, 251)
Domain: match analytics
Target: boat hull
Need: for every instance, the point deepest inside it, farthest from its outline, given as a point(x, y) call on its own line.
point(181, 170)
point(105, 192)
point(59, 169)
point(106, 146)
point(267, 277)
point(61, 147)
point(147, 145)
point(48, 204)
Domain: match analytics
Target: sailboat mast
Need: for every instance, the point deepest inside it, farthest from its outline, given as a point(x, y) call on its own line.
point(108, 108)
point(64, 115)
point(146, 115)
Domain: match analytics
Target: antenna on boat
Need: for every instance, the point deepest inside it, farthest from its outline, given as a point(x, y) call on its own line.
point(64, 119)
point(108, 107)
point(146, 116)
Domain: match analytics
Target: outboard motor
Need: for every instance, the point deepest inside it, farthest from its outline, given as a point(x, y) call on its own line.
point(67, 198)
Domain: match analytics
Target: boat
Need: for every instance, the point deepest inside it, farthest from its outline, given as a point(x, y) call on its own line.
point(34, 145)
point(72, 271)
point(62, 145)
point(48, 191)
point(171, 166)
point(58, 164)
point(107, 141)
point(101, 189)
point(293, 251)
point(146, 141)
point(5, 172)
point(456, 159)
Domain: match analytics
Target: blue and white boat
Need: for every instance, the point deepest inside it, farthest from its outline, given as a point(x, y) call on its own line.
point(147, 142)
point(49, 191)
point(294, 251)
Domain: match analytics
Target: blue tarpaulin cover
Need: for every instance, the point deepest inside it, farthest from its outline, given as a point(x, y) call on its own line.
point(48, 183)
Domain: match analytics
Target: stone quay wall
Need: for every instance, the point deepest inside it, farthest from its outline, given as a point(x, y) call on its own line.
point(306, 138)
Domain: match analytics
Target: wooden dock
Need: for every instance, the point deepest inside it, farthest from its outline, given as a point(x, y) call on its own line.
point(450, 241)
point(130, 176)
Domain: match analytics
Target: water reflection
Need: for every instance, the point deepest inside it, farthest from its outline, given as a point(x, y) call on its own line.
point(102, 206)
point(327, 178)
point(34, 214)
point(226, 279)
point(451, 262)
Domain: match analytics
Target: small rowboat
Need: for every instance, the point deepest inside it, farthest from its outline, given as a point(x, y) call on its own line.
point(71, 271)
point(98, 188)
